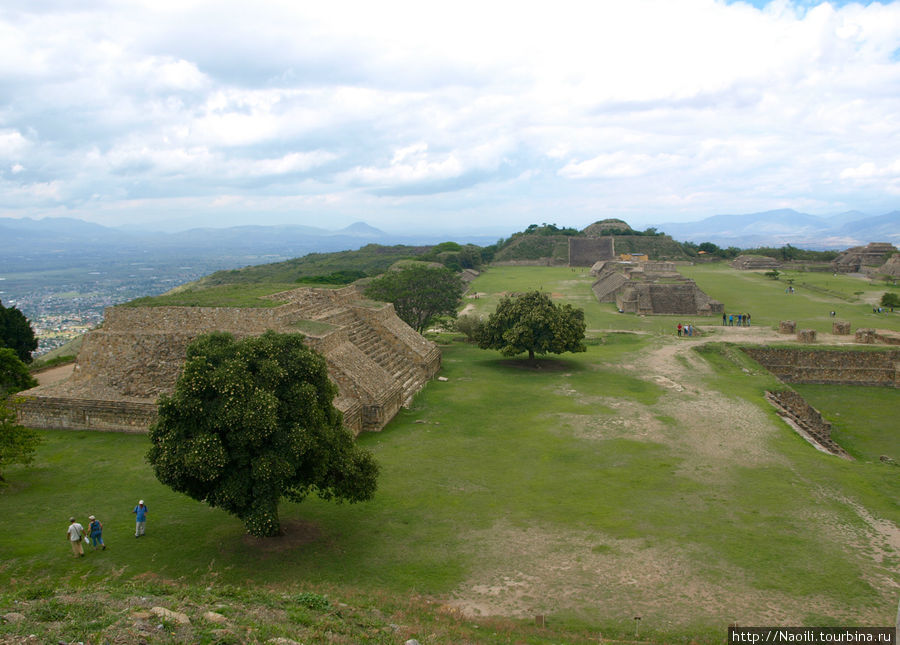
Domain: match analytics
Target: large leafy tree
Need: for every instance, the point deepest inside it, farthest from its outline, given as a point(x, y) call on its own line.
point(17, 444)
point(251, 421)
point(16, 332)
point(14, 374)
point(531, 322)
point(419, 292)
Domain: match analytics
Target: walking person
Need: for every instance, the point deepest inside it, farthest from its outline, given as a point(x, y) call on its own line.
point(95, 530)
point(140, 516)
point(679, 329)
point(723, 318)
point(75, 533)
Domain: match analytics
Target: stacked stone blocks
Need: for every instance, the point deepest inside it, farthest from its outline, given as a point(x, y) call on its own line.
point(377, 361)
point(830, 366)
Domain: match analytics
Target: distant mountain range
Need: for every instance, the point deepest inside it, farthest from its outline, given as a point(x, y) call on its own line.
point(57, 243)
point(779, 227)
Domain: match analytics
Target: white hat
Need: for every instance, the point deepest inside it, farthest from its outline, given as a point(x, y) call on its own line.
point(91, 517)
point(141, 502)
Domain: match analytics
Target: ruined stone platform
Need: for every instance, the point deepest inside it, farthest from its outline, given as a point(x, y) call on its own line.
point(377, 361)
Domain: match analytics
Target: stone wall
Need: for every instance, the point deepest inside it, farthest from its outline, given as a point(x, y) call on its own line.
point(84, 414)
point(585, 251)
point(807, 419)
point(377, 361)
point(846, 367)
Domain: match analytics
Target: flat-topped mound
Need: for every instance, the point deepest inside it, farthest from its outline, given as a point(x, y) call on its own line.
point(377, 361)
point(755, 263)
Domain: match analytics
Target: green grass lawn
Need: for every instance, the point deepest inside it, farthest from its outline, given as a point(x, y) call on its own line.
point(580, 473)
point(766, 301)
point(864, 419)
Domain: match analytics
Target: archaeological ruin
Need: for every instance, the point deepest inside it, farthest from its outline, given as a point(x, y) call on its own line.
point(377, 361)
point(650, 288)
point(860, 259)
point(755, 263)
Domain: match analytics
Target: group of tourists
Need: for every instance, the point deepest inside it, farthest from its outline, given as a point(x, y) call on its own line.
point(685, 330)
point(742, 320)
point(93, 535)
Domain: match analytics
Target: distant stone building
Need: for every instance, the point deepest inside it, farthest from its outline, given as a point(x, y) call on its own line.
point(856, 259)
point(755, 263)
point(651, 288)
point(585, 251)
point(377, 361)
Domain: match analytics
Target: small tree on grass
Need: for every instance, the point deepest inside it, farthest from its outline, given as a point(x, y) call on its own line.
point(889, 299)
point(532, 323)
point(420, 293)
point(252, 421)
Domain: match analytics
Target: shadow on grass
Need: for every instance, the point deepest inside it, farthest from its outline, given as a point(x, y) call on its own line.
point(545, 365)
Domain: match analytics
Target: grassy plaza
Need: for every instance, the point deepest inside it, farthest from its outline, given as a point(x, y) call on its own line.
point(645, 477)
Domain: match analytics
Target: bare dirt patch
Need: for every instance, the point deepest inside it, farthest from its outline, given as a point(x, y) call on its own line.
point(524, 571)
point(294, 534)
point(54, 374)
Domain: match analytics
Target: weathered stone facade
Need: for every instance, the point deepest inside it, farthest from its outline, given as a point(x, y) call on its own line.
point(807, 420)
point(651, 288)
point(377, 361)
point(585, 251)
point(787, 327)
point(855, 259)
point(834, 366)
point(840, 328)
point(755, 263)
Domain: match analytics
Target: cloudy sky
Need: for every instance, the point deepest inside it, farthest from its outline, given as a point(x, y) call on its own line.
point(484, 116)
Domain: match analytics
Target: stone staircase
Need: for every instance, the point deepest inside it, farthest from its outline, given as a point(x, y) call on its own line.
point(403, 369)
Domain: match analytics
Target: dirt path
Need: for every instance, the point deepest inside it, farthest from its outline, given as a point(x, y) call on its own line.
point(523, 571)
point(54, 374)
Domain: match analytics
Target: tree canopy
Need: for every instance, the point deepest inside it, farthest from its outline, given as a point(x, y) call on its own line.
point(531, 322)
point(16, 333)
point(17, 444)
point(251, 421)
point(419, 292)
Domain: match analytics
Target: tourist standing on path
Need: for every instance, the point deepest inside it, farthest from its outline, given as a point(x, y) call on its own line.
point(75, 533)
point(679, 329)
point(723, 318)
point(95, 530)
point(140, 516)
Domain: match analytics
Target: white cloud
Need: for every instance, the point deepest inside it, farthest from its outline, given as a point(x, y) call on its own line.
point(477, 110)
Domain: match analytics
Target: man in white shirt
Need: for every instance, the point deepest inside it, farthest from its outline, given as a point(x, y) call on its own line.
point(75, 534)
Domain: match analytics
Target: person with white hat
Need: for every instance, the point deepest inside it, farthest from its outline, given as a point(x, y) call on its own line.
point(95, 530)
point(75, 532)
point(140, 513)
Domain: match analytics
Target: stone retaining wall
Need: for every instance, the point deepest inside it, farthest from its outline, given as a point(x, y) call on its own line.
point(813, 427)
point(585, 251)
point(84, 414)
point(845, 367)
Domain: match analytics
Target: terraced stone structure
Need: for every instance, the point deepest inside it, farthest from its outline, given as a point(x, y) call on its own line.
point(863, 258)
point(377, 361)
point(755, 263)
point(830, 366)
point(651, 288)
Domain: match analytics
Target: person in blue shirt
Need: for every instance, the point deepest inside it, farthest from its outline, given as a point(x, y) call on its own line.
point(140, 514)
point(95, 530)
